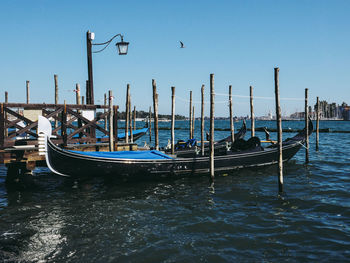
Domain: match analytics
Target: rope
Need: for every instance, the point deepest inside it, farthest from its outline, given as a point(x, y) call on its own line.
point(302, 145)
point(239, 96)
point(257, 97)
point(199, 102)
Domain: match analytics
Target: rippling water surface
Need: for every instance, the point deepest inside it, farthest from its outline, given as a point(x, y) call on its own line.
point(238, 218)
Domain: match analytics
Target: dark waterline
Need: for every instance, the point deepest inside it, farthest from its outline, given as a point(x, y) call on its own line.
point(239, 218)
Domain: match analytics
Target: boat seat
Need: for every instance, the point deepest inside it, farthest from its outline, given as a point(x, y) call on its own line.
point(185, 145)
point(242, 145)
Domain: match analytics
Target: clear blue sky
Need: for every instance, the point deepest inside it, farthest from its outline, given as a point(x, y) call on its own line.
point(239, 41)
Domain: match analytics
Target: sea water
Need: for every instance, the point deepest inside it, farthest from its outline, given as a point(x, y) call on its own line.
point(239, 218)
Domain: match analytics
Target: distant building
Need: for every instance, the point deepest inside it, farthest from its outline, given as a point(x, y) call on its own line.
point(346, 113)
point(327, 111)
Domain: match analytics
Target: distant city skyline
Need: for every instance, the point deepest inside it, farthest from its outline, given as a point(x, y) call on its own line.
point(239, 41)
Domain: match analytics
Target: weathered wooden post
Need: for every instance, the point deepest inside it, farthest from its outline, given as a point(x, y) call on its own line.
point(172, 120)
point(232, 129)
point(193, 124)
point(2, 126)
point(111, 133)
point(190, 115)
point(212, 95)
point(5, 116)
point(127, 113)
point(27, 90)
point(150, 123)
point(317, 122)
point(252, 118)
point(56, 88)
point(55, 77)
point(115, 126)
point(64, 125)
point(202, 120)
point(77, 93)
point(130, 121)
point(155, 107)
point(104, 111)
point(77, 99)
point(279, 132)
point(306, 126)
point(134, 118)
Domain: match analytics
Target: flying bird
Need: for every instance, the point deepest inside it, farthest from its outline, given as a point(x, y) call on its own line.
point(182, 45)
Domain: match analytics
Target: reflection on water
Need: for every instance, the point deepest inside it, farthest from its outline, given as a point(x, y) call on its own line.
point(47, 241)
point(238, 218)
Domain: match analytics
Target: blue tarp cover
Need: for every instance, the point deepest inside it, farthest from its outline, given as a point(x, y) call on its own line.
point(138, 155)
point(122, 134)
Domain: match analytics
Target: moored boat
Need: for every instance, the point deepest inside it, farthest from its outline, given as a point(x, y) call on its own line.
point(135, 163)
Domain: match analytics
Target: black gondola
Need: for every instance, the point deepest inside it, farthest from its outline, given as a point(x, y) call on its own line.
point(83, 164)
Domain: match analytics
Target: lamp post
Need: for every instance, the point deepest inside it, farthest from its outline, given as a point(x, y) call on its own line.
point(122, 50)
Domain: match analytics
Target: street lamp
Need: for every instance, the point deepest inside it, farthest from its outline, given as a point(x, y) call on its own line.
point(122, 50)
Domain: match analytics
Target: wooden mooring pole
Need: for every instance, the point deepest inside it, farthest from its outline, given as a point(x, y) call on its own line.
point(150, 123)
point(252, 118)
point(212, 96)
point(77, 93)
point(279, 132)
point(127, 113)
point(155, 108)
point(202, 120)
point(306, 126)
point(64, 125)
point(104, 111)
point(115, 125)
point(317, 122)
point(232, 128)
point(130, 120)
point(111, 133)
point(2, 125)
point(193, 119)
point(27, 90)
point(77, 99)
point(172, 120)
point(55, 77)
point(6, 101)
point(190, 116)
point(134, 118)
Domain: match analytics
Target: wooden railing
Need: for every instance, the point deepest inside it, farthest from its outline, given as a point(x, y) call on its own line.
point(71, 125)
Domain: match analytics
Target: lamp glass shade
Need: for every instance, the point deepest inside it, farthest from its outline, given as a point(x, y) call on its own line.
point(122, 47)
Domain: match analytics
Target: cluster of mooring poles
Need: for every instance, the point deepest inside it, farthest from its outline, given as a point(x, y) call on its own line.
point(113, 126)
point(211, 133)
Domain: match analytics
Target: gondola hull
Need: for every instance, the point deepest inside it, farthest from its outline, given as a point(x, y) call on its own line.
point(79, 165)
point(130, 164)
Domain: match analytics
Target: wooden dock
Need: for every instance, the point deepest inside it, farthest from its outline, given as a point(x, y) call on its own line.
point(74, 128)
